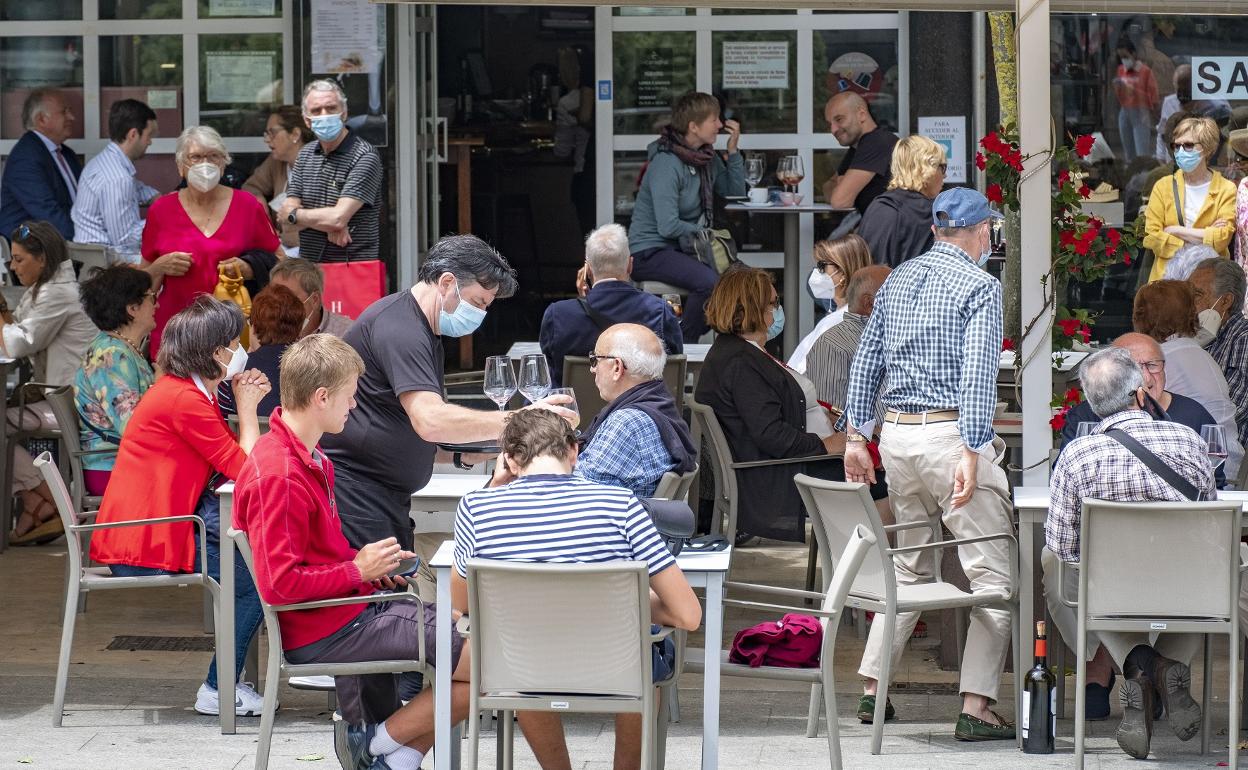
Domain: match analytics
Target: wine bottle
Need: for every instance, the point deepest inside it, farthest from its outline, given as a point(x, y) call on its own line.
point(1039, 718)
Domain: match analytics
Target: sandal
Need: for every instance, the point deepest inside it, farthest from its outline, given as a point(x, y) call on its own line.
point(44, 533)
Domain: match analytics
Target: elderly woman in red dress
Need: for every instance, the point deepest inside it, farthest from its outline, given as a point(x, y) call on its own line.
point(191, 231)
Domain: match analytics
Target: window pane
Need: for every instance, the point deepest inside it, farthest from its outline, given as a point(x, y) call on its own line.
point(239, 81)
point(648, 10)
point(860, 60)
point(43, 10)
point(217, 9)
point(757, 74)
point(147, 68)
point(140, 9)
point(651, 70)
point(27, 63)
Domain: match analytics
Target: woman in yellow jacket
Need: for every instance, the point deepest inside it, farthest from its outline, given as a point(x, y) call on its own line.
point(1206, 199)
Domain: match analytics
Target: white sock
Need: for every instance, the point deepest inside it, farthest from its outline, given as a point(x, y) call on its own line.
point(382, 743)
point(404, 758)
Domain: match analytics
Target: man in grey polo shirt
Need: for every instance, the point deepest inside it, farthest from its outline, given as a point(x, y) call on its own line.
point(334, 192)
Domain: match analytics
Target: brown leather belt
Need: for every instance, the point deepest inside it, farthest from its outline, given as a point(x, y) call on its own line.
point(922, 418)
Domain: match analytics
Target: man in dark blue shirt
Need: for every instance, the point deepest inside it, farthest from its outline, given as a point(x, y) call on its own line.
point(570, 327)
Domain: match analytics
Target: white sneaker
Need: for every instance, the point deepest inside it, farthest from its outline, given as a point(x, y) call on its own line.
point(312, 682)
point(247, 702)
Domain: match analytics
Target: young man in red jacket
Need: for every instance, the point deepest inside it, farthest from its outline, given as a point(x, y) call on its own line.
point(285, 503)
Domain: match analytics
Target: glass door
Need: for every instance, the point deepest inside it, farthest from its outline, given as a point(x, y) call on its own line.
point(424, 143)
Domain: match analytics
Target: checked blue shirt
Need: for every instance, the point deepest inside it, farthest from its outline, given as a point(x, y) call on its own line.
point(934, 342)
point(626, 451)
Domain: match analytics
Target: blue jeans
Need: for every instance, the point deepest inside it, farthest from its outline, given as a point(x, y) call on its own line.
point(247, 612)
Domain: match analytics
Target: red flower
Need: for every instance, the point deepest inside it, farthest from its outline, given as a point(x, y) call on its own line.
point(1081, 248)
point(1114, 237)
point(980, 162)
point(1083, 145)
point(1014, 160)
point(1073, 396)
point(1089, 235)
point(992, 143)
point(1126, 258)
point(1063, 177)
point(1007, 344)
point(994, 193)
point(1085, 192)
point(1066, 237)
point(1059, 420)
point(1085, 333)
point(1070, 326)
point(1095, 223)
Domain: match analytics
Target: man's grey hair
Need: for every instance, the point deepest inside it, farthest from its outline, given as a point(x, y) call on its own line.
point(641, 352)
point(1110, 379)
point(36, 104)
point(323, 85)
point(865, 281)
point(606, 251)
point(1185, 261)
point(194, 334)
point(470, 260)
point(204, 136)
point(304, 271)
point(1228, 278)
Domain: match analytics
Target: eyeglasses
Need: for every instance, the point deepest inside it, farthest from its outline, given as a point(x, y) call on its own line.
point(269, 133)
point(944, 167)
point(149, 294)
point(594, 358)
point(1153, 367)
point(1184, 146)
point(210, 157)
point(774, 303)
point(823, 266)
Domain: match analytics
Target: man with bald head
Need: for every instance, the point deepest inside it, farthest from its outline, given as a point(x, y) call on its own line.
point(864, 171)
point(640, 435)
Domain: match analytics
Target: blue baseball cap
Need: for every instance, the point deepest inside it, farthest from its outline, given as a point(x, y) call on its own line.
point(962, 207)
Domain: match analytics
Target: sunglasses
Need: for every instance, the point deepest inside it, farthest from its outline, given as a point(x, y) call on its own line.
point(1185, 146)
point(594, 358)
point(823, 266)
point(23, 232)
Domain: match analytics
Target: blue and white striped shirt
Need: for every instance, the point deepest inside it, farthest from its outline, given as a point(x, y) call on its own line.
point(107, 208)
point(556, 519)
point(936, 333)
point(626, 451)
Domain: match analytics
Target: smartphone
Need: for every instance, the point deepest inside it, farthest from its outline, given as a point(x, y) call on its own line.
point(406, 568)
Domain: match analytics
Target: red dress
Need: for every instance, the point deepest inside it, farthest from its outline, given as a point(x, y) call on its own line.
point(169, 228)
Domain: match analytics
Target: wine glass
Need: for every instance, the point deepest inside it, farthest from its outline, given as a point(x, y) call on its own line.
point(1215, 440)
point(534, 377)
point(797, 171)
point(571, 404)
point(1085, 428)
point(782, 171)
point(673, 301)
point(754, 167)
point(500, 380)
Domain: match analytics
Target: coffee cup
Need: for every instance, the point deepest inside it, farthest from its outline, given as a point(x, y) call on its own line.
point(758, 195)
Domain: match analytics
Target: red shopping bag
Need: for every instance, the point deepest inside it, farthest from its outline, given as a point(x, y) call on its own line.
point(352, 286)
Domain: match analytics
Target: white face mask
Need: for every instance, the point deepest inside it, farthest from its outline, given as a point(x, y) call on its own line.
point(821, 285)
point(203, 176)
point(238, 361)
point(1210, 320)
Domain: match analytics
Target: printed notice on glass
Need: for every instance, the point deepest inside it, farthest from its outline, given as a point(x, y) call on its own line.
point(656, 73)
point(344, 36)
point(219, 8)
point(756, 65)
point(949, 133)
point(239, 77)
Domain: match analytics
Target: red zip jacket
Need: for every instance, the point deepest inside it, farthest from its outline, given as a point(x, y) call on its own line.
point(284, 501)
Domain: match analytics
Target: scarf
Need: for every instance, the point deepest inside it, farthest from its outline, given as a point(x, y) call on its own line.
point(671, 141)
point(653, 399)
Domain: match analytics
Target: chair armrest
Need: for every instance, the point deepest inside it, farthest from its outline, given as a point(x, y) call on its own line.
point(796, 593)
point(464, 626)
point(347, 600)
point(782, 461)
point(1061, 585)
point(959, 541)
point(662, 633)
point(768, 607)
point(136, 522)
point(84, 515)
point(912, 525)
point(89, 452)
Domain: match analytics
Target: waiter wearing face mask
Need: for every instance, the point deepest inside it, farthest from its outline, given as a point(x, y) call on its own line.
point(388, 447)
point(333, 193)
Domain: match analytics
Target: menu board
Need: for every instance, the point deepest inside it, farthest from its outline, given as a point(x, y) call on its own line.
point(656, 75)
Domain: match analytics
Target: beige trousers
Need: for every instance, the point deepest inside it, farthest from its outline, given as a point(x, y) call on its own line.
point(920, 460)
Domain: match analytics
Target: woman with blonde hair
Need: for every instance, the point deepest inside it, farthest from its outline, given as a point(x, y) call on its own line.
point(898, 224)
point(835, 261)
point(1194, 204)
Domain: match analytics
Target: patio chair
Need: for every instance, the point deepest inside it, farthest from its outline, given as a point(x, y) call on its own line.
point(15, 435)
point(675, 486)
point(233, 422)
point(837, 509)
point(276, 661)
point(1189, 556)
point(90, 256)
point(66, 411)
point(595, 618)
point(82, 579)
point(576, 375)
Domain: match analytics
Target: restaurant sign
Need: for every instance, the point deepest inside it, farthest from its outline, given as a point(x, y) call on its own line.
point(1219, 77)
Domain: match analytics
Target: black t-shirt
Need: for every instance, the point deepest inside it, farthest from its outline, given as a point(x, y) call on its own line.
point(401, 355)
point(873, 154)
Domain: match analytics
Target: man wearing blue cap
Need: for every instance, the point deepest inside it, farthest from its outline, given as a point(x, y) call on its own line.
point(936, 333)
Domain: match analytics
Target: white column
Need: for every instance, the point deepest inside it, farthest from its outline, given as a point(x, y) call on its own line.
point(1035, 202)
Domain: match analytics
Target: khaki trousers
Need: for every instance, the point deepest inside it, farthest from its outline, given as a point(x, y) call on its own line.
point(920, 460)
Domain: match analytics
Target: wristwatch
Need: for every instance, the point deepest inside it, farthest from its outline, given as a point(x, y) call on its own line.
point(458, 460)
point(855, 438)
point(293, 217)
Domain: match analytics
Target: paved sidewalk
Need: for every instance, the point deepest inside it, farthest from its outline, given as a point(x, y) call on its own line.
point(132, 710)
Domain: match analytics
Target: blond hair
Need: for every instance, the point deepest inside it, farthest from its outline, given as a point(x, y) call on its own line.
point(316, 361)
point(916, 159)
point(849, 253)
point(1203, 130)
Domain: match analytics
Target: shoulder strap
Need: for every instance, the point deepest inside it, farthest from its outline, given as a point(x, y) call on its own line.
point(600, 320)
point(1155, 464)
point(1178, 204)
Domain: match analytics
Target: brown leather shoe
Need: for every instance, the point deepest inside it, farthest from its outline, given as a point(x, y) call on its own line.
point(1135, 732)
point(1173, 681)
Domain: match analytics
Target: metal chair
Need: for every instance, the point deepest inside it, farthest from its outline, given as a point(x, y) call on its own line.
point(675, 486)
point(90, 256)
point(838, 509)
point(576, 375)
point(522, 611)
point(1189, 556)
point(276, 662)
point(82, 579)
point(66, 411)
point(14, 436)
point(233, 423)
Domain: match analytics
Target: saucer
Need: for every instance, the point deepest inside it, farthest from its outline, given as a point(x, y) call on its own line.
point(753, 205)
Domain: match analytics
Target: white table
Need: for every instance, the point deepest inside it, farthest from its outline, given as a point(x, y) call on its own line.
point(703, 570)
point(695, 353)
point(433, 507)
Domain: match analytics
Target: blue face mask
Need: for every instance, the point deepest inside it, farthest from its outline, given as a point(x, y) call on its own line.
point(327, 127)
point(777, 324)
point(464, 321)
point(1187, 159)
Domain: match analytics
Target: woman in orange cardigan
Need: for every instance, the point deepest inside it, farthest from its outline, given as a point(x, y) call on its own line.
point(175, 446)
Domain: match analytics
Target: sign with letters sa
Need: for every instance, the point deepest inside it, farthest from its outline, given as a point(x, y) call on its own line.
point(1219, 77)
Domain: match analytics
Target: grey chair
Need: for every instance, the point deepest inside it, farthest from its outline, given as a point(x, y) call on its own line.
point(66, 411)
point(838, 509)
point(598, 615)
point(576, 375)
point(276, 662)
point(90, 255)
point(28, 393)
point(1189, 556)
point(675, 486)
point(82, 579)
point(264, 424)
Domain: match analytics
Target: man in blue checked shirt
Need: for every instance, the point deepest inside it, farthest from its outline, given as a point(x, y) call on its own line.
point(936, 333)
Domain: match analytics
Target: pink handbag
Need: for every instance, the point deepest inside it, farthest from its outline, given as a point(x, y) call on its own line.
point(792, 642)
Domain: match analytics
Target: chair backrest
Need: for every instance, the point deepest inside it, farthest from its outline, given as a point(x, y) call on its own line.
point(574, 629)
point(90, 255)
point(64, 507)
point(576, 375)
point(264, 424)
point(1185, 554)
point(716, 455)
point(861, 541)
point(675, 486)
point(271, 626)
point(64, 407)
point(838, 510)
